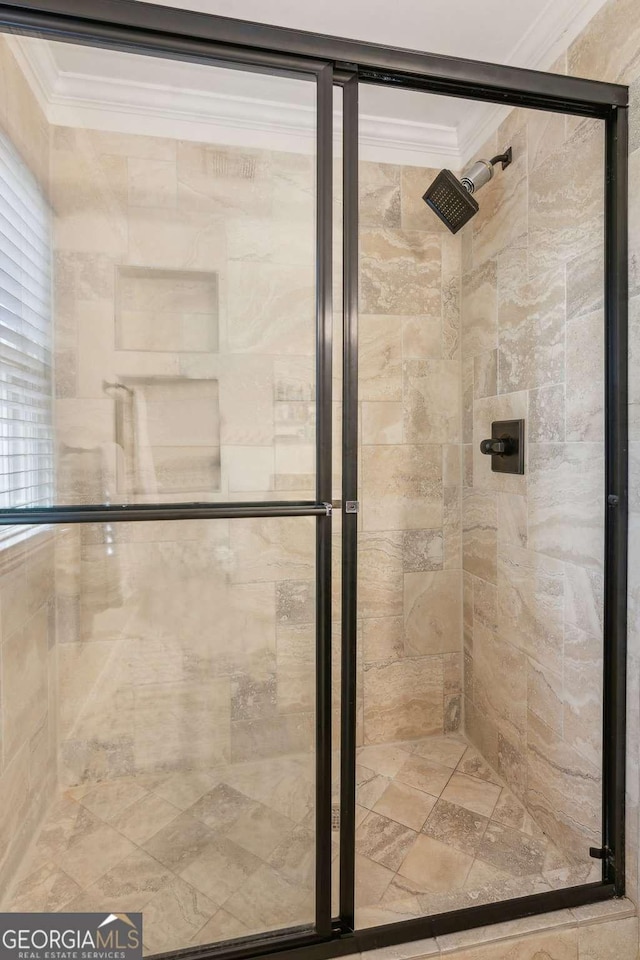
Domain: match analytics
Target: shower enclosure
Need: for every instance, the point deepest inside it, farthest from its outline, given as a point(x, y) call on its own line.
point(291, 657)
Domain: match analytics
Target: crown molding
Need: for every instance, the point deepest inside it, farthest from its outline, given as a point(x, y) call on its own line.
point(558, 24)
point(177, 110)
point(113, 104)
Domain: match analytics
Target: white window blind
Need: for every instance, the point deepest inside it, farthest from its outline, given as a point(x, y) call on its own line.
point(26, 421)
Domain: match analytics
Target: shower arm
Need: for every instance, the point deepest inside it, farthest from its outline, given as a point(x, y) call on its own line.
point(503, 158)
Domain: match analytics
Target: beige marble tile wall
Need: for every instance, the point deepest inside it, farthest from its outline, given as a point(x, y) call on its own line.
point(609, 50)
point(175, 262)
point(409, 387)
point(130, 211)
point(27, 585)
point(200, 652)
point(29, 705)
point(185, 273)
point(532, 348)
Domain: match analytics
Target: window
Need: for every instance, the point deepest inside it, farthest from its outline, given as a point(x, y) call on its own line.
point(26, 421)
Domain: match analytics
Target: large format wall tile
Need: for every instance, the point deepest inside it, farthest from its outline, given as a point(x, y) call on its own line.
point(423, 338)
point(272, 549)
point(563, 790)
point(431, 401)
point(565, 501)
point(480, 309)
point(512, 519)
point(485, 603)
point(380, 195)
point(381, 422)
point(479, 534)
point(607, 49)
point(585, 280)
point(380, 574)
point(584, 598)
point(451, 297)
point(223, 180)
point(29, 703)
point(545, 132)
point(485, 374)
point(432, 613)
point(566, 206)
point(402, 486)
point(382, 638)
point(531, 604)
point(24, 666)
point(585, 378)
point(506, 701)
point(547, 414)
point(400, 272)
point(403, 699)
point(468, 396)
point(380, 358)
point(582, 693)
point(531, 330)
point(270, 309)
point(545, 694)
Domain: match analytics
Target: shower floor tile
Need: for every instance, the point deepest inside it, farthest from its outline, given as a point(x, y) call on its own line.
point(217, 854)
point(476, 843)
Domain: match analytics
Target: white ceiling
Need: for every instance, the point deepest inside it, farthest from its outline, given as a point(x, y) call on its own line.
point(492, 30)
point(108, 90)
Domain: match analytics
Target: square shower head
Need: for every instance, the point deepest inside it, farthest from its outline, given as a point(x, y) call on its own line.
point(450, 201)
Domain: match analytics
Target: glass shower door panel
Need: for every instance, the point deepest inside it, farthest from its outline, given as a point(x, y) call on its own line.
point(484, 791)
point(183, 281)
point(161, 735)
point(184, 785)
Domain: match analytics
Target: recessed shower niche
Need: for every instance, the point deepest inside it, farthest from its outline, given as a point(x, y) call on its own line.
point(167, 435)
point(173, 311)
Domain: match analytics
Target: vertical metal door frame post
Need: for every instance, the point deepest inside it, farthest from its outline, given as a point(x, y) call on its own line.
point(349, 678)
point(324, 479)
point(616, 490)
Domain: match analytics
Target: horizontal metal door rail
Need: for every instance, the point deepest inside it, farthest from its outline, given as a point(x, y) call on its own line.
point(121, 512)
point(122, 23)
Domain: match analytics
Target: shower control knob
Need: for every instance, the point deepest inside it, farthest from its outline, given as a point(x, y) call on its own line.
point(505, 447)
point(496, 447)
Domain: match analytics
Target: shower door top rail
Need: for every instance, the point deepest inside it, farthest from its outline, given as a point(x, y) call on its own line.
point(198, 35)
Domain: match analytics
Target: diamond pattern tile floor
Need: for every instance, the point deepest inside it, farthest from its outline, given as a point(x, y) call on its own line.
point(213, 855)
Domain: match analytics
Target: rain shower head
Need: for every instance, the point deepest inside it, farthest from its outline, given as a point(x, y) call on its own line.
point(452, 199)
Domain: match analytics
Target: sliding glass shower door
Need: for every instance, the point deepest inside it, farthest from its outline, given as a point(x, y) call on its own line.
point(176, 562)
point(285, 663)
point(477, 646)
